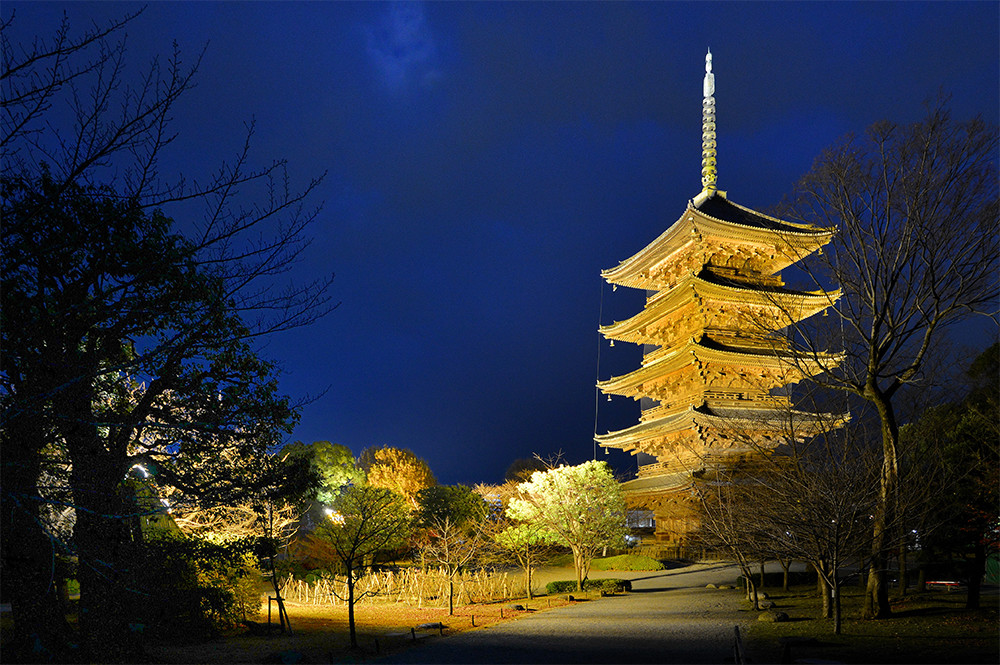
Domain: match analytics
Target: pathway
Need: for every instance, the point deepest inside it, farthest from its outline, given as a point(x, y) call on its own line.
point(670, 617)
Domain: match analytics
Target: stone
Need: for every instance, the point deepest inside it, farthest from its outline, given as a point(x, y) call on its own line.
point(711, 586)
point(766, 604)
point(726, 586)
point(437, 625)
point(772, 616)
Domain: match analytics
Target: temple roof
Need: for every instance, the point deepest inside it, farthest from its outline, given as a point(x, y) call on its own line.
point(713, 287)
point(705, 351)
point(718, 418)
point(712, 215)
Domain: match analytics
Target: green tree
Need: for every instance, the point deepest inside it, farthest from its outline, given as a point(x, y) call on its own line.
point(509, 540)
point(333, 463)
point(962, 437)
point(917, 248)
point(124, 341)
point(580, 507)
point(365, 520)
point(451, 516)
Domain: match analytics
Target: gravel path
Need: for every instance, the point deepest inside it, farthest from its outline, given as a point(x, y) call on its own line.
point(670, 617)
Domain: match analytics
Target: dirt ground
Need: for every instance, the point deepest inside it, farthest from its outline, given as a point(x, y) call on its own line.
point(320, 633)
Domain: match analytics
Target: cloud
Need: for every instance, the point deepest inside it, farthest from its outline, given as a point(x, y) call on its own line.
point(402, 48)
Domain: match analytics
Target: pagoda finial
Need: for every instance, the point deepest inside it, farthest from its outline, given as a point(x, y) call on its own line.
point(708, 145)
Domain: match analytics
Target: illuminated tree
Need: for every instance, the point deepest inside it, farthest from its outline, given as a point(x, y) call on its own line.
point(365, 520)
point(397, 469)
point(580, 507)
point(100, 292)
point(451, 515)
point(509, 539)
point(332, 462)
point(916, 251)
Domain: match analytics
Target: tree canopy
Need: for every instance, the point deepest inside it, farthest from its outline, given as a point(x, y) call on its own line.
point(397, 469)
point(580, 507)
point(125, 341)
point(917, 250)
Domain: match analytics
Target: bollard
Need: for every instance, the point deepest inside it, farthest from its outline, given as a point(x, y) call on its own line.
point(473, 620)
point(501, 612)
point(413, 634)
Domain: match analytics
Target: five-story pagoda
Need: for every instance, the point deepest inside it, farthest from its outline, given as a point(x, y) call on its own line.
point(714, 360)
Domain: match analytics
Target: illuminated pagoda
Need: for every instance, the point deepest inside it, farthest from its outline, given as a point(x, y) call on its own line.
point(713, 365)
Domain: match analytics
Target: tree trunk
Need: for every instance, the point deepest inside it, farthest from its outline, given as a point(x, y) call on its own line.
point(578, 564)
point(876, 604)
point(786, 565)
point(527, 574)
point(976, 574)
point(451, 593)
point(350, 606)
point(282, 612)
point(836, 604)
point(824, 589)
point(108, 611)
point(901, 581)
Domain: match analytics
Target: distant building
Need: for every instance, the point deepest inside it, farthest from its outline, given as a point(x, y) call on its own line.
point(712, 361)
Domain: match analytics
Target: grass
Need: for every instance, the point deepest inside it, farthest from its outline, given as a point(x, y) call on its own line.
point(928, 627)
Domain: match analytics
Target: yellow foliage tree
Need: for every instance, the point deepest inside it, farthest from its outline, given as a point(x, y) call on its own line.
point(399, 470)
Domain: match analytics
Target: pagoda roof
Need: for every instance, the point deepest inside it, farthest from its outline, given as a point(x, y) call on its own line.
point(719, 418)
point(703, 351)
point(714, 287)
point(715, 216)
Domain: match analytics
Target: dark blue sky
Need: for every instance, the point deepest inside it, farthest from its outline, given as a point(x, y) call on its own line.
point(487, 160)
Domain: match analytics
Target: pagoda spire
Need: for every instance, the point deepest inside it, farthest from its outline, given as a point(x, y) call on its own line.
point(708, 163)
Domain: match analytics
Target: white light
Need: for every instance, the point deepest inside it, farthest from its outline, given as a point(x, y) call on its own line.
point(145, 474)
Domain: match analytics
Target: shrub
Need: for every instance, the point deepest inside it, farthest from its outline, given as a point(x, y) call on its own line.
point(191, 587)
point(626, 562)
point(610, 585)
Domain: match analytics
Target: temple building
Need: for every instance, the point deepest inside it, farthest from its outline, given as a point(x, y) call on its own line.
point(716, 370)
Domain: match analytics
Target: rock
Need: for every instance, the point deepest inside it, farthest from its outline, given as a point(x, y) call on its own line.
point(726, 586)
point(518, 608)
point(570, 598)
point(766, 604)
point(437, 625)
point(771, 616)
point(711, 586)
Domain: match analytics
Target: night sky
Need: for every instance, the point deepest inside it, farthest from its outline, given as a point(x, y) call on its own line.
point(485, 161)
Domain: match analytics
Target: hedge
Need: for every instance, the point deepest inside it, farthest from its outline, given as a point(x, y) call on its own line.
point(610, 585)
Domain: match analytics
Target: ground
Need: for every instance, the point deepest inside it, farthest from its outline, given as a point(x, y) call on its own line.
point(320, 633)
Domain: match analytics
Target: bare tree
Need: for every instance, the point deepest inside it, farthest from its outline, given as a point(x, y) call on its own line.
point(508, 539)
point(916, 252)
point(451, 516)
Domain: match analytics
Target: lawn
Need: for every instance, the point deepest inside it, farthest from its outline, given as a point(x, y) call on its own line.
point(928, 627)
